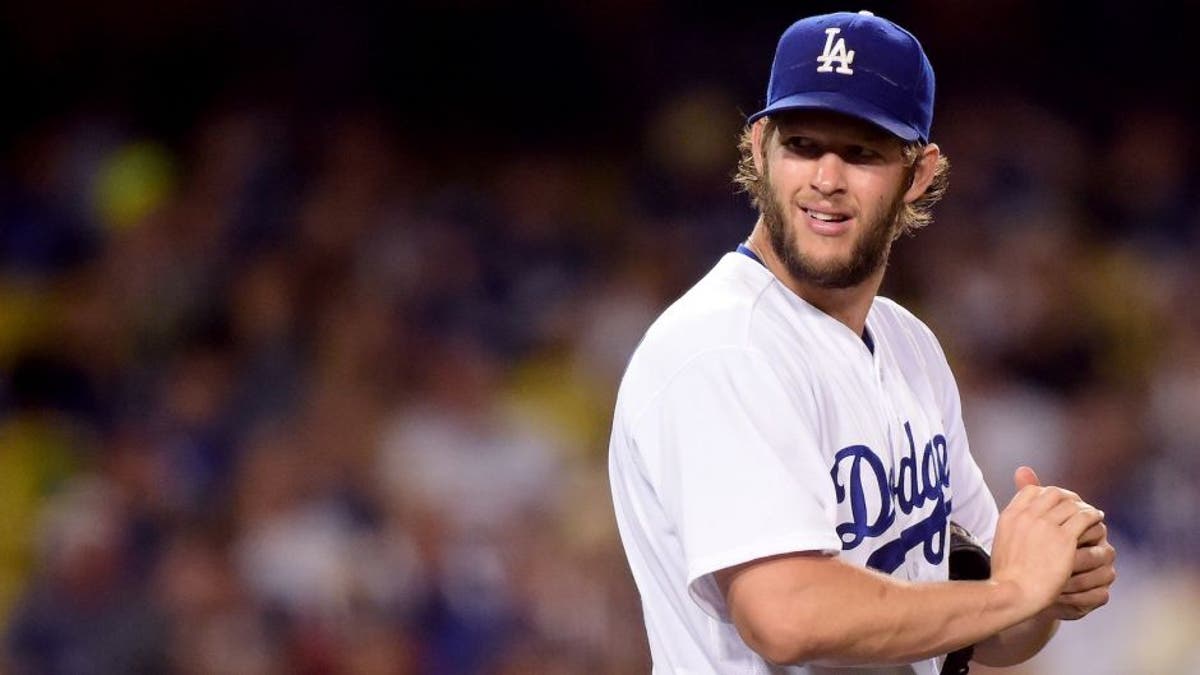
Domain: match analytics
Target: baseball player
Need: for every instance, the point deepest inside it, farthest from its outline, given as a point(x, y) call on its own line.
point(788, 450)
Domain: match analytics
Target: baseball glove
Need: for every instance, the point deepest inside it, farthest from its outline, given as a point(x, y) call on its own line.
point(968, 562)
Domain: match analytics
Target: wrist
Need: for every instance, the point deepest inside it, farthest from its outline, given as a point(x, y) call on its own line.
point(1046, 615)
point(1050, 616)
point(1019, 642)
point(1008, 604)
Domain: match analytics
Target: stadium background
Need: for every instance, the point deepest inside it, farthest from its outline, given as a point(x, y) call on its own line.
point(311, 318)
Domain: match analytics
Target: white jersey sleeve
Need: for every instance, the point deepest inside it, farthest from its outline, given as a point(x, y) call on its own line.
point(733, 454)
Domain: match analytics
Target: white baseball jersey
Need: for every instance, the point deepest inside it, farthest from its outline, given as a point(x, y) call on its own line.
point(750, 424)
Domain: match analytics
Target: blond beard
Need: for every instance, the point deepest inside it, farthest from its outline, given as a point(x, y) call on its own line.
point(870, 251)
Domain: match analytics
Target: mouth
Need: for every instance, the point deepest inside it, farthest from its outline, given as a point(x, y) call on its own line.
point(828, 223)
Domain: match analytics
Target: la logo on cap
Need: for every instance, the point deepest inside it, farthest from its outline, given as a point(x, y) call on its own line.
point(835, 51)
point(891, 86)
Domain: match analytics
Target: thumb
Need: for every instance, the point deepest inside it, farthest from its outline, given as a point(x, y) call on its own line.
point(1025, 476)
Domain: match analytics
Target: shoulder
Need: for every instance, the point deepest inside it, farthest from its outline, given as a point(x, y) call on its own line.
point(897, 323)
point(712, 326)
point(896, 316)
point(718, 311)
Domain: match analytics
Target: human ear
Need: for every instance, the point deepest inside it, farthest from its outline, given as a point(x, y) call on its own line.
point(924, 170)
point(756, 139)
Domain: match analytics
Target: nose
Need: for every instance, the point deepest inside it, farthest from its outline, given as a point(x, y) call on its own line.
point(829, 175)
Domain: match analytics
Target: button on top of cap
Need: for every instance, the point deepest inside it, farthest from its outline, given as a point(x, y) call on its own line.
point(866, 12)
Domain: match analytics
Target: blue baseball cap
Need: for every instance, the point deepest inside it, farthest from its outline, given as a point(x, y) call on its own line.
point(857, 64)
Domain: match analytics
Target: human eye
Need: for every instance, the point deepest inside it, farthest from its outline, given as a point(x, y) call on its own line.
point(861, 154)
point(802, 145)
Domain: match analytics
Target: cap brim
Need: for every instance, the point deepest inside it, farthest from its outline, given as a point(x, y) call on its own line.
point(840, 103)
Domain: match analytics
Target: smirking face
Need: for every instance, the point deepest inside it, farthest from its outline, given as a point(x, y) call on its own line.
point(833, 189)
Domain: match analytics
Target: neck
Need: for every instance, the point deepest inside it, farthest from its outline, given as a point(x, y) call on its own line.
point(847, 305)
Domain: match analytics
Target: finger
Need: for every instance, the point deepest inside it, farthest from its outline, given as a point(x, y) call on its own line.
point(1062, 512)
point(1058, 504)
point(1085, 600)
point(1088, 558)
point(1094, 535)
point(1066, 612)
point(1055, 493)
point(1024, 476)
point(1025, 496)
point(1082, 520)
point(1101, 577)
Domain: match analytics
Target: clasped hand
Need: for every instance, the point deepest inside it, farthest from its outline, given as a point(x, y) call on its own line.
point(1055, 547)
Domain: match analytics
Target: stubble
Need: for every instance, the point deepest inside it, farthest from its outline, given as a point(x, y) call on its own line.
point(869, 254)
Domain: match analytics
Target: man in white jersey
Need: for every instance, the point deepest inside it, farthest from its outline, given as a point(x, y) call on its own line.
point(788, 449)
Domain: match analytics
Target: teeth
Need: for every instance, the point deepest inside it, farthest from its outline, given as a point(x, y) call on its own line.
point(827, 217)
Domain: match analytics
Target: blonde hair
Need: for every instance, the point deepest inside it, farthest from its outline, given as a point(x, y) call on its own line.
point(912, 217)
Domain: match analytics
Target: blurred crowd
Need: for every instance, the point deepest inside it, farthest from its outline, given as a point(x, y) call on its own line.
point(284, 396)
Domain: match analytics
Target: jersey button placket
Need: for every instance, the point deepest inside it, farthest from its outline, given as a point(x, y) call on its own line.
point(893, 425)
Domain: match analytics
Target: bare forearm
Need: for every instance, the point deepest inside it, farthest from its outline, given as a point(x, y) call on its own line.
point(846, 615)
point(801, 608)
point(916, 621)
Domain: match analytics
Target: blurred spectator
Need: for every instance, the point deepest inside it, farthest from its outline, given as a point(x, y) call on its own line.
point(81, 613)
point(311, 369)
